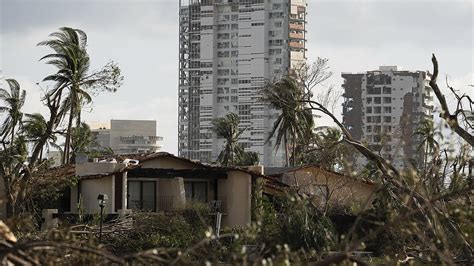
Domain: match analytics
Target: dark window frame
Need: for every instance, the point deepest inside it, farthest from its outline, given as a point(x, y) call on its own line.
point(141, 182)
point(193, 189)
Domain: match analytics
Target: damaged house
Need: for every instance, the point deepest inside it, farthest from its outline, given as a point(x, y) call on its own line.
point(163, 182)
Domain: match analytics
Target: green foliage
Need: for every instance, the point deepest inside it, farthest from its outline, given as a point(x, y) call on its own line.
point(232, 153)
point(295, 121)
point(327, 149)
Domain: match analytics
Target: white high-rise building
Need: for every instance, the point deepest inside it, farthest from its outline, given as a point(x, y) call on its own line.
point(228, 50)
point(385, 107)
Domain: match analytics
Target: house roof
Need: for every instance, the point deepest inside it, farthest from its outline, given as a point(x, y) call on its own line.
point(272, 171)
point(67, 170)
point(150, 156)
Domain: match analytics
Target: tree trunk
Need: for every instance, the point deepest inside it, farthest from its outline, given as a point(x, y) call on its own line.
point(293, 143)
point(12, 139)
point(67, 143)
point(286, 150)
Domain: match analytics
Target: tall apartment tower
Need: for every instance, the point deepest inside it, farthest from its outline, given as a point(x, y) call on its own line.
point(228, 50)
point(384, 108)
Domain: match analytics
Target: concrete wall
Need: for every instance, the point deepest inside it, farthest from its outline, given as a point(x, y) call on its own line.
point(90, 189)
point(167, 163)
point(97, 168)
point(236, 189)
point(341, 191)
point(174, 188)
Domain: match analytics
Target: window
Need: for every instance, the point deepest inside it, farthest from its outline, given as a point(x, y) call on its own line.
point(275, 42)
point(369, 100)
point(373, 90)
point(387, 119)
point(141, 195)
point(387, 100)
point(195, 191)
point(275, 51)
point(377, 109)
point(377, 100)
point(369, 110)
point(387, 109)
point(387, 90)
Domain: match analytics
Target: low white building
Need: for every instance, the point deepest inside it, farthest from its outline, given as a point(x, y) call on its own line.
point(129, 136)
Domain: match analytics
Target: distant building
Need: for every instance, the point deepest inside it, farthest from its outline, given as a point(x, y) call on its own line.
point(129, 136)
point(229, 50)
point(385, 107)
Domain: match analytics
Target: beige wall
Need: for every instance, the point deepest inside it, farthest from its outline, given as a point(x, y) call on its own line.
point(236, 189)
point(90, 189)
point(342, 191)
point(97, 168)
point(172, 187)
point(167, 163)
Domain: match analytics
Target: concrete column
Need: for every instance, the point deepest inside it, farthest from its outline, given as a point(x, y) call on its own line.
point(50, 219)
point(124, 190)
point(179, 195)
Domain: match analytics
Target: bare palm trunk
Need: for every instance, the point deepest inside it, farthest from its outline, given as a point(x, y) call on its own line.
point(67, 143)
point(287, 161)
point(12, 139)
point(78, 118)
point(294, 148)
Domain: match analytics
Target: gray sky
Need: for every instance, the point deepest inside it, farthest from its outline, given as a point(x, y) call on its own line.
point(142, 37)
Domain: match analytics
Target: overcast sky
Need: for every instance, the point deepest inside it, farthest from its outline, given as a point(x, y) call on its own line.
point(142, 37)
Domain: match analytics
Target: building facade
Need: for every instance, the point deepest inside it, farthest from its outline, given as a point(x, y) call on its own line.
point(384, 108)
point(129, 136)
point(229, 50)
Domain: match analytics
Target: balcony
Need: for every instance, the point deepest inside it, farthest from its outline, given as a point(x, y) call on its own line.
point(295, 26)
point(296, 45)
point(295, 35)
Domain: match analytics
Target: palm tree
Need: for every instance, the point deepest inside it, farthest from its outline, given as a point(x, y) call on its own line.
point(35, 127)
point(428, 141)
point(72, 60)
point(81, 140)
point(228, 128)
point(14, 101)
point(295, 120)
